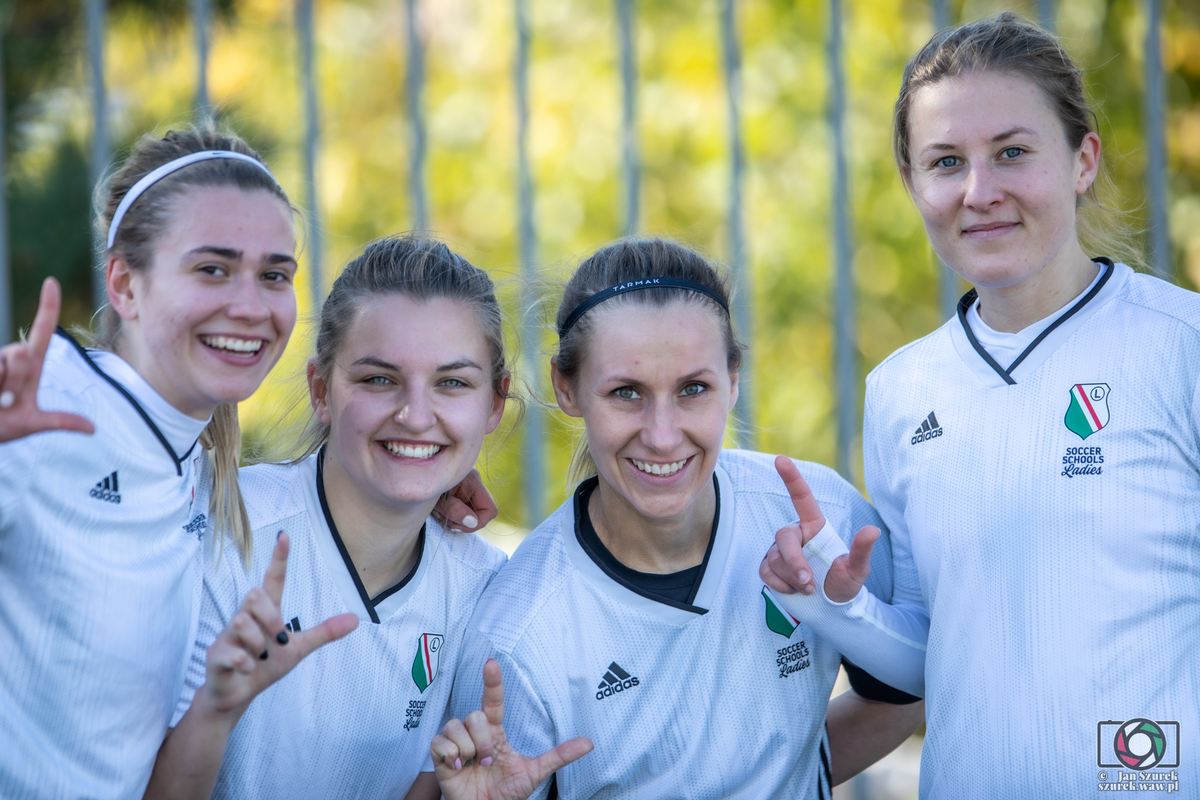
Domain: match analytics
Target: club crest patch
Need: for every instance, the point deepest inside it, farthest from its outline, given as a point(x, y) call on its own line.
point(1088, 410)
point(426, 661)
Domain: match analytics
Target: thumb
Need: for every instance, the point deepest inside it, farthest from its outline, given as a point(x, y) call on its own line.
point(850, 572)
point(62, 421)
point(859, 562)
point(328, 631)
point(552, 761)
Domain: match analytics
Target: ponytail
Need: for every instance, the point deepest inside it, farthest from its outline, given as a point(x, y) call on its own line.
point(222, 441)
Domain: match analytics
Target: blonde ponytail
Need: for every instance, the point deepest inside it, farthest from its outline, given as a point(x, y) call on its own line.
point(222, 440)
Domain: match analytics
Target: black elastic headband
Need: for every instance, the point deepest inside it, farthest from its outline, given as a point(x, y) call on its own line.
point(633, 286)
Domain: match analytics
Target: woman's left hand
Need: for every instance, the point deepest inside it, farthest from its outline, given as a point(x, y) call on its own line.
point(474, 761)
point(468, 506)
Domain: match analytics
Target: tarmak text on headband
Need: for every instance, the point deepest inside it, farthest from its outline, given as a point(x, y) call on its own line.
point(633, 286)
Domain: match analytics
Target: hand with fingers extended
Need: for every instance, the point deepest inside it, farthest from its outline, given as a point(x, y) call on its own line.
point(785, 568)
point(253, 651)
point(21, 371)
point(256, 649)
point(474, 761)
point(468, 506)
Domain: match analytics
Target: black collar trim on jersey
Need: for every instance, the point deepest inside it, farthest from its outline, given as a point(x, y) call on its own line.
point(964, 305)
point(603, 558)
point(136, 405)
point(368, 603)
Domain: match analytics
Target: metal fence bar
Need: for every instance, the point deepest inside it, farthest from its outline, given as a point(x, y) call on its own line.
point(948, 283)
point(414, 82)
point(200, 19)
point(533, 435)
point(630, 164)
point(304, 28)
point(731, 61)
point(1156, 158)
point(6, 294)
point(94, 20)
point(845, 342)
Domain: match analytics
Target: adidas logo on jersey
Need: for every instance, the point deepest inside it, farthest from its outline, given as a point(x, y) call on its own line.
point(106, 489)
point(930, 429)
point(614, 680)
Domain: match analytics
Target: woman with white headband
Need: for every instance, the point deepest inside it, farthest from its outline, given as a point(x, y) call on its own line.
point(100, 536)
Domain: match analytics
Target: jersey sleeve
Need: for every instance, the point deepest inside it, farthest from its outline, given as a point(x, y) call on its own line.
point(527, 725)
point(213, 619)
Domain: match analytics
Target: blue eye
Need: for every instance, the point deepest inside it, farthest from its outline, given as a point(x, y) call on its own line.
point(693, 389)
point(627, 393)
point(947, 162)
point(377, 380)
point(454, 383)
point(1012, 152)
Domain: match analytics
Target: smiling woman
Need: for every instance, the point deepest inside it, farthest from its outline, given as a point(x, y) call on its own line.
point(633, 615)
point(100, 537)
point(408, 379)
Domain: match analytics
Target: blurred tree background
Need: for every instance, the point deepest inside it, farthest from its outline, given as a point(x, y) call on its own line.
point(575, 112)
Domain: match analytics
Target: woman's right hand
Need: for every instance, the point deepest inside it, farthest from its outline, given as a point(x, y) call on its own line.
point(256, 649)
point(474, 761)
point(785, 569)
point(21, 370)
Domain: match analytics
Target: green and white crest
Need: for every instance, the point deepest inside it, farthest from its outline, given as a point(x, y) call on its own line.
point(779, 620)
point(1088, 411)
point(427, 659)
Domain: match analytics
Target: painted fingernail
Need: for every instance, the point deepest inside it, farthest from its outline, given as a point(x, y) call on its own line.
point(470, 521)
point(7, 399)
point(278, 535)
point(485, 762)
point(281, 637)
point(263, 656)
point(458, 763)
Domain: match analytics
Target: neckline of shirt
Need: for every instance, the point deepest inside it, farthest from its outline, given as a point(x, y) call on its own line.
point(180, 430)
point(1004, 347)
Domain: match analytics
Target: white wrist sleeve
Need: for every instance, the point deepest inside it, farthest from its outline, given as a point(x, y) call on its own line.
point(887, 641)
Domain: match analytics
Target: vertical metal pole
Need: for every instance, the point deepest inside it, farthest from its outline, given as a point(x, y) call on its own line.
point(304, 27)
point(845, 345)
point(1046, 14)
point(6, 313)
point(630, 168)
point(200, 19)
point(948, 283)
point(731, 60)
point(94, 13)
point(414, 80)
point(533, 476)
point(1156, 159)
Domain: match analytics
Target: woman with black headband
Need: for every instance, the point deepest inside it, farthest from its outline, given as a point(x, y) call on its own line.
point(634, 615)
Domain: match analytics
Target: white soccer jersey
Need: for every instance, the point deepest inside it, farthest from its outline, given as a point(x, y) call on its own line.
point(99, 582)
point(355, 718)
point(1048, 515)
point(722, 699)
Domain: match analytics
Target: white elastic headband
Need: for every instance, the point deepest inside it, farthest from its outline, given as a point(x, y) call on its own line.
point(158, 174)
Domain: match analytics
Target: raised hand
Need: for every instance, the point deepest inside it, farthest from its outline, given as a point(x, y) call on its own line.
point(474, 761)
point(21, 370)
point(255, 649)
point(785, 569)
point(468, 506)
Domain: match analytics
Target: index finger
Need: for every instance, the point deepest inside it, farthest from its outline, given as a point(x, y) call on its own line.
point(811, 518)
point(493, 692)
point(277, 569)
point(44, 322)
